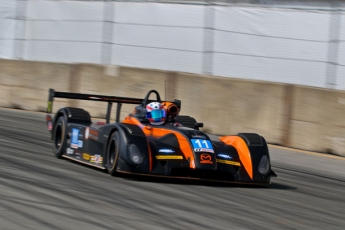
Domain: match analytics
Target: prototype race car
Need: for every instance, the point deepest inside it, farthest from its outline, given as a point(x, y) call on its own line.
point(175, 148)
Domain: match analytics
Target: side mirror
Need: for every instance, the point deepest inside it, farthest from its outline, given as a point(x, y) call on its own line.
point(199, 125)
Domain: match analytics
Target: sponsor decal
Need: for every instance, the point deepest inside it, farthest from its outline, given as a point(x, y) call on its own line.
point(168, 157)
point(201, 145)
point(129, 130)
point(50, 126)
point(198, 136)
point(93, 134)
point(49, 122)
point(74, 138)
point(96, 159)
point(203, 150)
point(205, 158)
point(86, 156)
point(49, 117)
point(69, 151)
point(80, 144)
point(225, 156)
point(228, 162)
point(166, 151)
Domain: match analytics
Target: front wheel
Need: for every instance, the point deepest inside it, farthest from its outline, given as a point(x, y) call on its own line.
point(113, 153)
point(59, 137)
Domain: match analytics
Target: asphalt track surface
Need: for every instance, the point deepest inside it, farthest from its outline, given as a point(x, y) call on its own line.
point(39, 191)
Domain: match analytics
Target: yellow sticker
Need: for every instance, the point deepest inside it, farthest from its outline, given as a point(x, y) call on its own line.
point(49, 109)
point(168, 157)
point(228, 162)
point(86, 156)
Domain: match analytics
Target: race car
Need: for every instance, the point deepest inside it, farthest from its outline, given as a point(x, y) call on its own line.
point(155, 140)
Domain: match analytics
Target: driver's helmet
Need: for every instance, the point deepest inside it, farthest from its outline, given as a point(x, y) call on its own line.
point(155, 113)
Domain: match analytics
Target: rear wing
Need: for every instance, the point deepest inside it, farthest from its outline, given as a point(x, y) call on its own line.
point(91, 97)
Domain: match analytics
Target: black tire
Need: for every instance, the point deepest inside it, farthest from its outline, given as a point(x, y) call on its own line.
point(59, 137)
point(113, 153)
point(187, 121)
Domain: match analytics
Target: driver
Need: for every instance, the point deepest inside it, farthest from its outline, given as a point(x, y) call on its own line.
point(155, 113)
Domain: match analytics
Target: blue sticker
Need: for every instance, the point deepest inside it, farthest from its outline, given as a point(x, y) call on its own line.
point(202, 145)
point(74, 138)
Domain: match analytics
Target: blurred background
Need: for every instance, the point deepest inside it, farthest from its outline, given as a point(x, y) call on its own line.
point(275, 67)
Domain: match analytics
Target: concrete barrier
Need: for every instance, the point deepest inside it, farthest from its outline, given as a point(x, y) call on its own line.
point(317, 120)
point(25, 84)
point(229, 106)
point(294, 116)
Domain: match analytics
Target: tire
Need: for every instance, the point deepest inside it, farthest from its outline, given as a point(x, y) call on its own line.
point(59, 137)
point(113, 153)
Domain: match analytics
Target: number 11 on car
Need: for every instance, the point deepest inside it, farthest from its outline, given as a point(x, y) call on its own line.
point(201, 145)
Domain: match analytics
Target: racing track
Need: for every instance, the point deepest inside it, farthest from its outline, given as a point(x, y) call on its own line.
point(39, 191)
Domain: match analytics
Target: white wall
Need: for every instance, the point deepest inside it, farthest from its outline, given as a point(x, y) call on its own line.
point(341, 56)
point(7, 28)
point(278, 44)
point(283, 45)
point(64, 31)
point(158, 36)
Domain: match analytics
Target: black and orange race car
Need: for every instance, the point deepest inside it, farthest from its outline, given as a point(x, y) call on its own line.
point(176, 148)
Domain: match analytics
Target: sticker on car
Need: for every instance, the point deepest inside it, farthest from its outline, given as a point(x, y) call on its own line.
point(74, 138)
point(201, 145)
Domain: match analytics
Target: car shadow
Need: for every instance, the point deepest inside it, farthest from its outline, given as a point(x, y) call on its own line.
point(185, 181)
point(199, 182)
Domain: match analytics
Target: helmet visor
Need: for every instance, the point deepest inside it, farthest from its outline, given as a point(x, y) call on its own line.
point(157, 114)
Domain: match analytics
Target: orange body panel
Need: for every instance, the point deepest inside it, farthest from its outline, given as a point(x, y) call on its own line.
point(159, 132)
point(170, 107)
point(242, 150)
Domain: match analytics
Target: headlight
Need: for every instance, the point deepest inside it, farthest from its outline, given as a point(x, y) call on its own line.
point(264, 165)
point(135, 154)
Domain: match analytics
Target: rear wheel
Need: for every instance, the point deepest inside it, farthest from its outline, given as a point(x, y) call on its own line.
point(59, 137)
point(113, 153)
